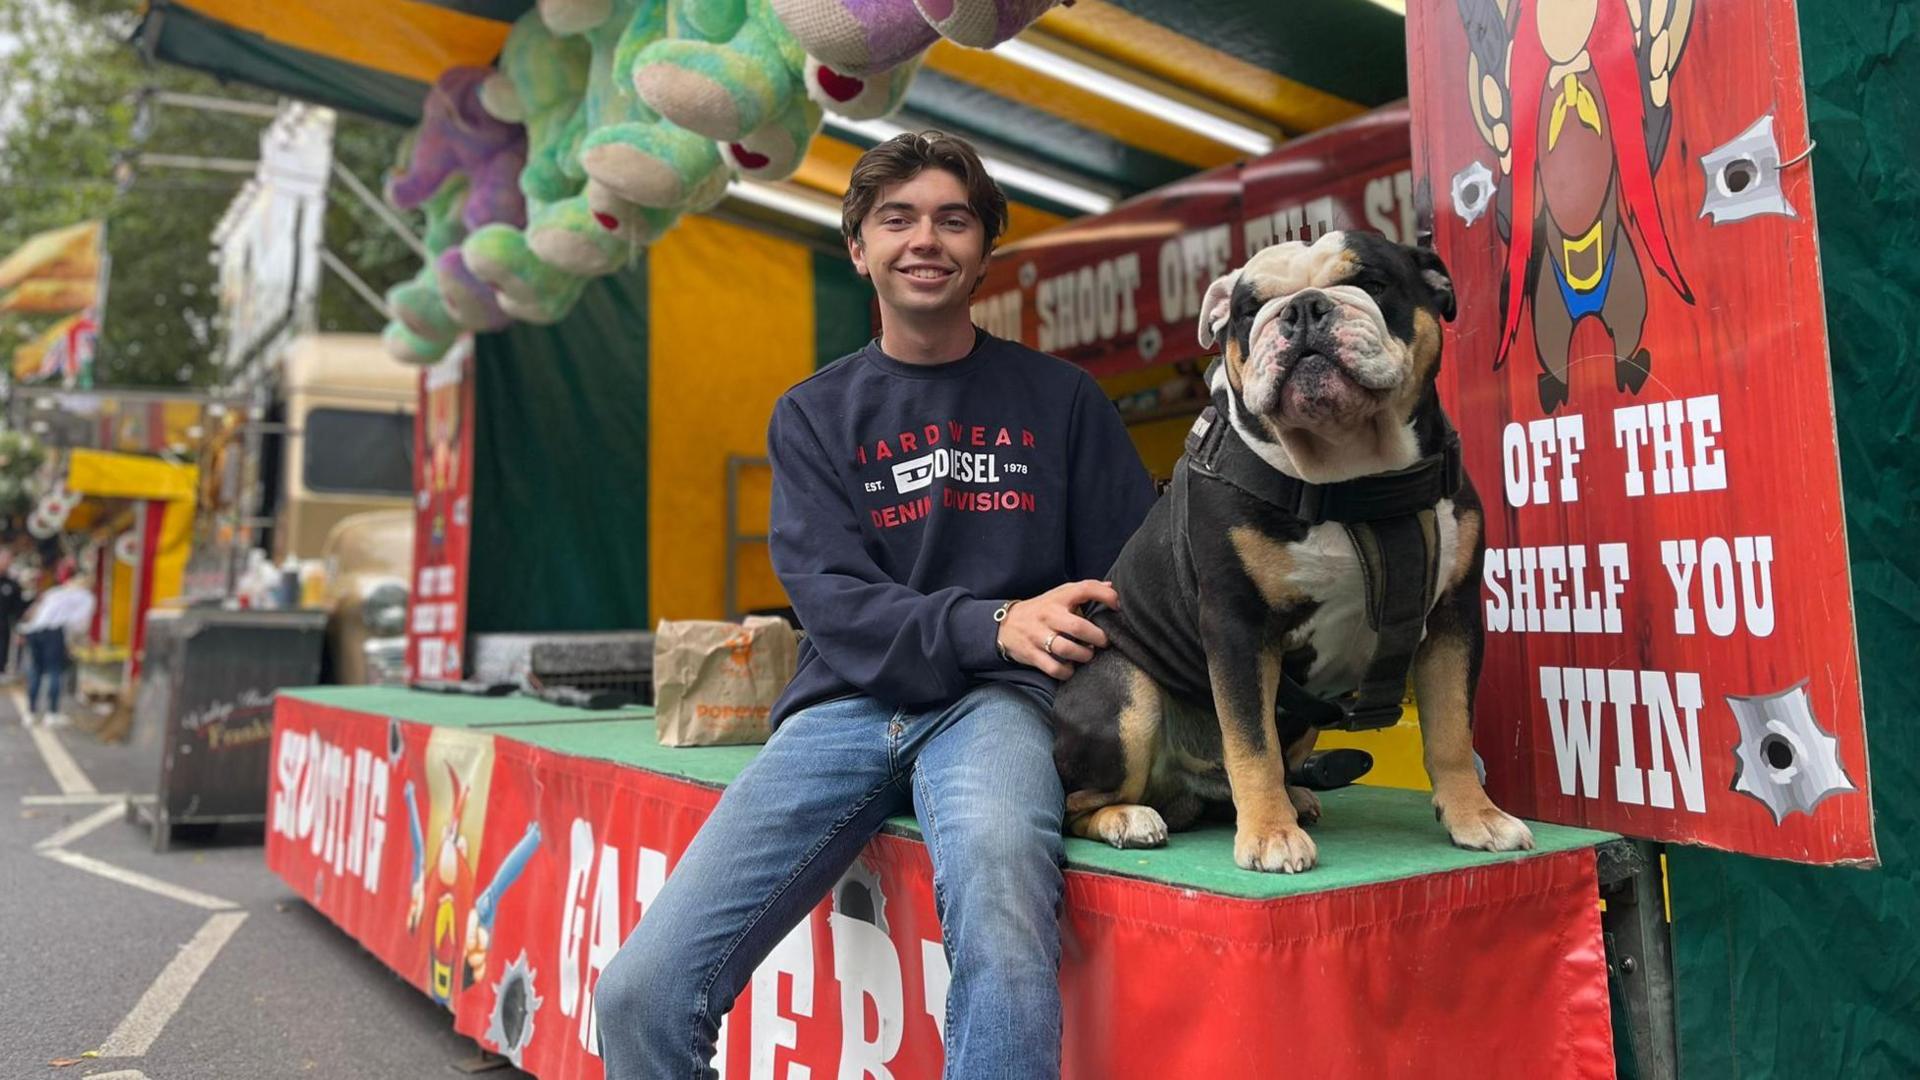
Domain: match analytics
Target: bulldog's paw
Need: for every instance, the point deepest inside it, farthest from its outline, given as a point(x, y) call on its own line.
point(1286, 850)
point(1486, 828)
point(1305, 804)
point(1130, 826)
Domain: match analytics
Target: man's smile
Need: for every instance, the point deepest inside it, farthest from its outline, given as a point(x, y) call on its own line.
point(925, 272)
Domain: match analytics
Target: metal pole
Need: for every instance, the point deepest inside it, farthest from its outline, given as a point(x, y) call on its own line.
point(380, 209)
point(105, 258)
point(246, 507)
point(214, 104)
point(355, 282)
point(189, 161)
point(1640, 957)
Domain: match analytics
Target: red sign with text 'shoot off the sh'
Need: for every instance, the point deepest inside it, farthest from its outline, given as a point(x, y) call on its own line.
point(1639, 372)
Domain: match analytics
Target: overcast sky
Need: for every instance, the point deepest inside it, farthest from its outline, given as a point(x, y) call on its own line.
point(8, 94)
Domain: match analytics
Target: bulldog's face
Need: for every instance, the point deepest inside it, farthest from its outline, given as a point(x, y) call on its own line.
point(1332, 336)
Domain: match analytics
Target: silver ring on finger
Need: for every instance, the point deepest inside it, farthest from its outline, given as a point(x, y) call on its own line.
point(1047, 646)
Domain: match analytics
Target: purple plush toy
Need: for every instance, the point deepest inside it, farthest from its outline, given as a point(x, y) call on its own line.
point(866, 37)
point(458, 137)
point(460, 150)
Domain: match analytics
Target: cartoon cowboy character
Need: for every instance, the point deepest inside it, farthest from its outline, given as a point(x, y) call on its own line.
point(460, 924)
point(1573, 95)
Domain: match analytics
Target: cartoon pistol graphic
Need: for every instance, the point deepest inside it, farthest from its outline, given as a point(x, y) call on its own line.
point(487, 904)
point(419, 845)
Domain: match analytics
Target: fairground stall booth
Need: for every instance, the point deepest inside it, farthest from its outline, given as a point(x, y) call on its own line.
point(134, 514)
point(1671, 652)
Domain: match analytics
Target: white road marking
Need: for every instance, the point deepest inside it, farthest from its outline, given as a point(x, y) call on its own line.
point(164, 997)
point(138, 880)
point(66, 772)
point(119, 1074)
point(82, 827)
point(150, 1014)
point(83, 799)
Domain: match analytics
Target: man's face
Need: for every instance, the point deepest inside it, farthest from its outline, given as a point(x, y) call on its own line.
point(922, 246)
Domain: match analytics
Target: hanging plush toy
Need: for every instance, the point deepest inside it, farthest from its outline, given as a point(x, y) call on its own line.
point(729, 69)
point(527, 288)
point(646, 159)
point(461, 166)
point(860, 97)
point(775, 149)
point(865, 37)
point(431, 309)
point(541, 84)
point(733, 72)
point(571, 233)
point(457, 137)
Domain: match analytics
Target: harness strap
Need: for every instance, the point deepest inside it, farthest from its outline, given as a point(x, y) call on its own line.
point(1400, 558)
point(1216, 449)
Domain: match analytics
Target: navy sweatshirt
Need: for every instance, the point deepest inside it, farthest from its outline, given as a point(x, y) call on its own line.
point(910, 501)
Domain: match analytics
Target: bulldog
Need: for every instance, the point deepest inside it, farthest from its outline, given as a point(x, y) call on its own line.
point(1320, 542)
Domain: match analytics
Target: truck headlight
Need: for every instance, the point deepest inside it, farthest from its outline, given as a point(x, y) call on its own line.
point(383, 609)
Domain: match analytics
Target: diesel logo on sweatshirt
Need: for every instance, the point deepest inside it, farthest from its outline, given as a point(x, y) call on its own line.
point(959, 465)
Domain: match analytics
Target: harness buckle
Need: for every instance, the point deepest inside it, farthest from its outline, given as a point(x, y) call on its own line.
point(1197, 434)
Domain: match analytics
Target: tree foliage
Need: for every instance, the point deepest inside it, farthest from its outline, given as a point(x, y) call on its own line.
point(69, 83)
point(21, 456)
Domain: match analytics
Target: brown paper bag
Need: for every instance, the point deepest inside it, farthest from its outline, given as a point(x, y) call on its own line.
point(714, 683)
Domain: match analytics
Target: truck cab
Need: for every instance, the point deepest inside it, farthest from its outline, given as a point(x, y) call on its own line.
point(345, 409)
point(330, 477)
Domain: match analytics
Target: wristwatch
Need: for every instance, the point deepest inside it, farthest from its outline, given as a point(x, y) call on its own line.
point(1000, 616)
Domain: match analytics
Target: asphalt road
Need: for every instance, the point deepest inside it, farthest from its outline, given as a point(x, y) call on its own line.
point(92, 962)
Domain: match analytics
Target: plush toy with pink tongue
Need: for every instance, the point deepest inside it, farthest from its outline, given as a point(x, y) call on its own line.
point(596, 230)
point(859, 97)
point(642, 157)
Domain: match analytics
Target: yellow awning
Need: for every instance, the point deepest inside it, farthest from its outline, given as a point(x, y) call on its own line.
point(49, 296)
point(71, 252)
point(105, 475)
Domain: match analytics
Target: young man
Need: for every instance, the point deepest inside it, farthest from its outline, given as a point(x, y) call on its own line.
point(943, 501)
point(13, 604)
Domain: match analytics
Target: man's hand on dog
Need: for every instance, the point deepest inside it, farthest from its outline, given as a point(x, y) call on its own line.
point(1052, 618)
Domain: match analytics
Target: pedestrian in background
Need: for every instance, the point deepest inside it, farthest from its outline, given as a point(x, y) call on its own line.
point(13, 604)
point(62, 611)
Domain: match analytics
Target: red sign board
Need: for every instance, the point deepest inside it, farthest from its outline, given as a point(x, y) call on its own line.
point(443, 521)
point(1639, 373)
point(500, 878)
point(1123, 290)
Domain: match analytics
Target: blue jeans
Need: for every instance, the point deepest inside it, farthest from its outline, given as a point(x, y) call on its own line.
point(49, 651)
point(979, 774)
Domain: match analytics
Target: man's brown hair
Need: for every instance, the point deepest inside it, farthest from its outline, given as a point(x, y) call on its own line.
point(903, 157)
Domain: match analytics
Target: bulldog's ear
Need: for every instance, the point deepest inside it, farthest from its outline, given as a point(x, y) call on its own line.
point(1439, 283)
point(1216, 309)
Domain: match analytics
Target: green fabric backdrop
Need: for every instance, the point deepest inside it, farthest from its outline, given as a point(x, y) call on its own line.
point(560, 468)
point(1794, 972)
point(842, 308)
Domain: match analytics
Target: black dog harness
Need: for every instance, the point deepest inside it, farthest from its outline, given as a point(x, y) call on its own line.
point(1391, 520)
